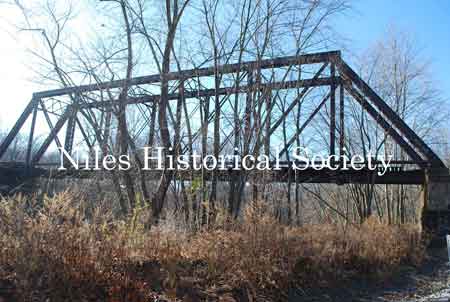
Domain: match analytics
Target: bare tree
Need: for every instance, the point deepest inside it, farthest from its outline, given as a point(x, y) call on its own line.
point(395, 68)
point(214, 33)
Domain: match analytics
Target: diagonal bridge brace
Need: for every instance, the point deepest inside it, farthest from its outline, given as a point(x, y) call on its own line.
point(347, 73)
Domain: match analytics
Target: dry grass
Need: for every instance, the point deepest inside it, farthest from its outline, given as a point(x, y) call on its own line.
point(66, 252)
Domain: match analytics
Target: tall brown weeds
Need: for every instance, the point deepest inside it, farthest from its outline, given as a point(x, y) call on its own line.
point(64, 251)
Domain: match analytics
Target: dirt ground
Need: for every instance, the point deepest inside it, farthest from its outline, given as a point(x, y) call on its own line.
point(428, 283)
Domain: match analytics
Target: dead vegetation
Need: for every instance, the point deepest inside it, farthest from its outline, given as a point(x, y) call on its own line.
point(64, 250)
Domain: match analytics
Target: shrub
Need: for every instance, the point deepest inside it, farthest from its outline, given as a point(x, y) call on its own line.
point(64, 250)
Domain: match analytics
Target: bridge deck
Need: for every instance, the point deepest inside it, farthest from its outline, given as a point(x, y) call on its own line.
point(13, 173)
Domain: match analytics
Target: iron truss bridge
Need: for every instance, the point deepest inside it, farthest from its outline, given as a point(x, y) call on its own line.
point(282, 102)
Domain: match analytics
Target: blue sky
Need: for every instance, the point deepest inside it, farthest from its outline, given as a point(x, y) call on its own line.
point(427, 21)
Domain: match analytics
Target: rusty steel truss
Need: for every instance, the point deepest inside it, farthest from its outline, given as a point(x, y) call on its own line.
point(65, 111)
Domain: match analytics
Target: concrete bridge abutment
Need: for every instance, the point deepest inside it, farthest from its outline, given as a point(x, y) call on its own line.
point(436, 204)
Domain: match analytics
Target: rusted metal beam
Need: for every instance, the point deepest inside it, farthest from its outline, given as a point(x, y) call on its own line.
point(285, 174)
point(325, 81)
point(416, 141)
point(31, 135)
point(199, 72)
point(49, 122)
point(296, 101)
point(379, 119)
point(332, 111)
point(341, 119)
point(17, 126)
point(51, 137)
point(70, 133)
point(303, 126)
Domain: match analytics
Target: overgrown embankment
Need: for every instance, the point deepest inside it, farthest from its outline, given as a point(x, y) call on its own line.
point(65, 250)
